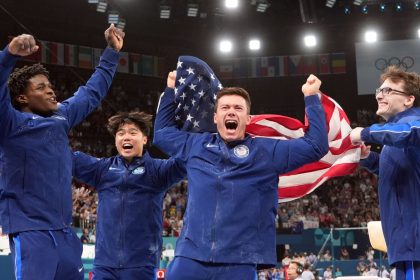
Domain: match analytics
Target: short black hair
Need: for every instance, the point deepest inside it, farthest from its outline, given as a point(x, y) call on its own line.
point(140, 119)
point(19, 79)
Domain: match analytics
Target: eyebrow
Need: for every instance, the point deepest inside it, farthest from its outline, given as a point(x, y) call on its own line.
point(129, 130)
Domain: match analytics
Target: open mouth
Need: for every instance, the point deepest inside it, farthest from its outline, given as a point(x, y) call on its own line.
point(127, 147)
point(231, 124)
point(52, 100)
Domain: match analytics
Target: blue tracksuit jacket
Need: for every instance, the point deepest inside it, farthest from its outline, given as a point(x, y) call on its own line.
point(232, 187)
point(37, 160)
point(398, 167)
point(129, 223)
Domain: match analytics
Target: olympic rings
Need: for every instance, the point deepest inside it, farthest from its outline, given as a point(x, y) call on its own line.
point(405, 63)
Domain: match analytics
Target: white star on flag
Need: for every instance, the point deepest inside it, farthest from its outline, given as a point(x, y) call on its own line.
point(190, 71)
point(192, 86)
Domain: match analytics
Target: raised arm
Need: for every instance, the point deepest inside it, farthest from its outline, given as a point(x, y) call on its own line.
point(291, 154)
point(22, 45)
point(166, 135)
point(87, 98)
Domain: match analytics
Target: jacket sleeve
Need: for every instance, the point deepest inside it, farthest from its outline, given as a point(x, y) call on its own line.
point(170, 172)
point(88, 97)
point(371, 163)
point(86, 168)
point(291, 154)
point(7, 112)
point(167, 136)
point(393, 134)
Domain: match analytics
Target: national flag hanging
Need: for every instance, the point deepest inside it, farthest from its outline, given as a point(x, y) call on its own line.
point(123, 66)
point(296, 65)
point(324, 63)
point(195, 92)
point(52, 53)
point(148, 64)
point(96, 57)
point(85, 57)
point(338, 63)
point(161, 67)
point(71, 55)
point(226, 71)
point(135, 66)
point(310, 64)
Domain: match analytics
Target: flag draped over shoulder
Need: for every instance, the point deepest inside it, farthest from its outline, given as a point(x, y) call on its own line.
point(196, 87)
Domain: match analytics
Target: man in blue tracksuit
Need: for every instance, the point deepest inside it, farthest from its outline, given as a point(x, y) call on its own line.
point(229, 224)
point(131, 187)
point(36, 204)
point(398, 167)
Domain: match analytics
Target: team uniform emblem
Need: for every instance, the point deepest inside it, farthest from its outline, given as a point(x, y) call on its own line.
point(241, 151)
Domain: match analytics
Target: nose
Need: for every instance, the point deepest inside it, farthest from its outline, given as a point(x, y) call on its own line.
point(50, 90)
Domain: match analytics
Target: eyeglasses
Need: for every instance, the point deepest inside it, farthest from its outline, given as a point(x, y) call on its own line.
point(386, 91)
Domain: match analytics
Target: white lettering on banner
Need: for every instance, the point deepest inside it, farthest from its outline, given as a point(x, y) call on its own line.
point(373, 58)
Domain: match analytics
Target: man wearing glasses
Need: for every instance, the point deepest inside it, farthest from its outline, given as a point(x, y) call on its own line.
point(398, 167)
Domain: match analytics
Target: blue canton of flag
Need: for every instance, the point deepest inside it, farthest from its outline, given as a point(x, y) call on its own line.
point(196, 87)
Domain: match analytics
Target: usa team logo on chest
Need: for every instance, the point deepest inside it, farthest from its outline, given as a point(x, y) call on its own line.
point(139, 170)
point(241, 151)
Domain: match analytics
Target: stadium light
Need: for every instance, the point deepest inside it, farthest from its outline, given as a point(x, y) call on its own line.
point(121, 24)
point(262, 6)
point(225, 46)
point(101, 6)
point(310, 41)
point(192, 10)
point(358, 2)
point(330, 3)
point(365, 9)
point(231, 4)
point(254, 44)
point(93, 1)
point(371, 36)
point(382, 7)
point(165, 11)
point(418, 32)
point(113, 17)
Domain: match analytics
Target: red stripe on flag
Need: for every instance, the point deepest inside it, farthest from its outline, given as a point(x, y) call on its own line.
point(342, 158)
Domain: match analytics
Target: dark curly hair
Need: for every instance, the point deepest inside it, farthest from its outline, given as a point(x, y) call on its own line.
point(140, 119)
point(18, 80)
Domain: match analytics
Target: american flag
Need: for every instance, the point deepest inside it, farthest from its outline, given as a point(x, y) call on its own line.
point(196, 87)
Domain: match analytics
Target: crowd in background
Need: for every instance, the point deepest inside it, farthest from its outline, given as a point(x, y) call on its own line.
point(349, 201)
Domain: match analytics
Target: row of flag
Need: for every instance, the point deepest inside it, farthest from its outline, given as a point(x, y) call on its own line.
point(88, 58)
point(283, 66)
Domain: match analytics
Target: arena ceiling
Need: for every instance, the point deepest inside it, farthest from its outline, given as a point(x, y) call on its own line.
point(281, 25)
